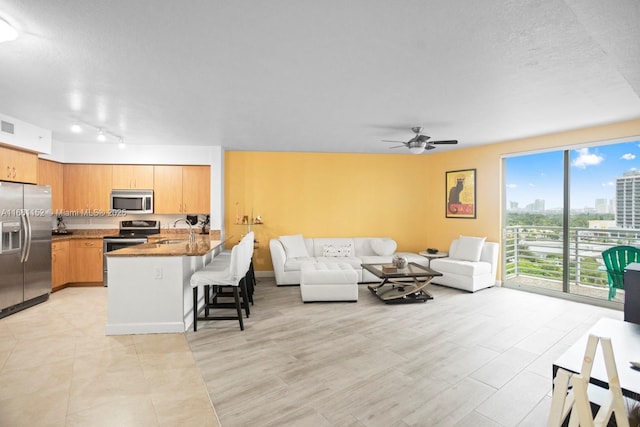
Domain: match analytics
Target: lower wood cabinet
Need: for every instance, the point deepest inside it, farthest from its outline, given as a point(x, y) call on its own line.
point(59, 264)
point(86, 260)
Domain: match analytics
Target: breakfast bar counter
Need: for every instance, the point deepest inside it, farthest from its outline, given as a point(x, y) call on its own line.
point(170, 246)
point(149, 289)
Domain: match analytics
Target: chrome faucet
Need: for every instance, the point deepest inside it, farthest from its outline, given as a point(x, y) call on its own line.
point(192, 234)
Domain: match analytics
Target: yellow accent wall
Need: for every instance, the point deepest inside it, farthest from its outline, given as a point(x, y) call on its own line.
point(400, 196)
point(328, 195)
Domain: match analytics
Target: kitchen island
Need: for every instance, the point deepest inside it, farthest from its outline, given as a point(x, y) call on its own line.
point(149, 289)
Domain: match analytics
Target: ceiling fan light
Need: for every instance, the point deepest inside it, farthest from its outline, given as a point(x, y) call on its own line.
point(7, 32)
point(416, 150)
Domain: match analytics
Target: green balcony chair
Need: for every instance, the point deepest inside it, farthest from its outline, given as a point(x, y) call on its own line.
point(616, 259)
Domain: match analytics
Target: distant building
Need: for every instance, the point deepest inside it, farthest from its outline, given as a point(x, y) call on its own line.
point(536, 206)
point(602, 206)
point(602, 224)
point(628, 200)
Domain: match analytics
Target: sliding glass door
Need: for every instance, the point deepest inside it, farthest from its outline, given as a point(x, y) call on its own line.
point(562, 209)
point(533, 236)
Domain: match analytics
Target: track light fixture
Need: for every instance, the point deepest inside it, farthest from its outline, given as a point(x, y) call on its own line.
point(103, 134)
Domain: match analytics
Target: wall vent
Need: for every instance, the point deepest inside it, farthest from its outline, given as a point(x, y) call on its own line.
point(7, 127)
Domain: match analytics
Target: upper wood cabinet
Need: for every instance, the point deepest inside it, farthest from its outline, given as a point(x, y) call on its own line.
point(51, 173)
point(196, 189)
point(182, 189)
point(87, 187)
point(138, 177)
point(18, 166)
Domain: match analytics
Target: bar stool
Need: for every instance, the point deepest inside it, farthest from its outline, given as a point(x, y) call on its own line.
point(249, 240)
point(226, 272)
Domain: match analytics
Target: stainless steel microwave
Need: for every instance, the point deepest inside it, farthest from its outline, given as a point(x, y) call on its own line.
point(132, 201)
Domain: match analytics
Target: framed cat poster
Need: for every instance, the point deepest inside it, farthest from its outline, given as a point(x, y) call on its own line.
point(461, 193)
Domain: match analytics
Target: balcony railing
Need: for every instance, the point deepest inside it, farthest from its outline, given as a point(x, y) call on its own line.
point(536, 253)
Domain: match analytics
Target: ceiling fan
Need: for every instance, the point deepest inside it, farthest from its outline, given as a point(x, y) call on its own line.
point(419, 143)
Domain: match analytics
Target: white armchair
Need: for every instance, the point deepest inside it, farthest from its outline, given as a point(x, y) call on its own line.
point(472, 264)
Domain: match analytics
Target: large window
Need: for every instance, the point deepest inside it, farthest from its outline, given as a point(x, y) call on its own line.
point(562, 209)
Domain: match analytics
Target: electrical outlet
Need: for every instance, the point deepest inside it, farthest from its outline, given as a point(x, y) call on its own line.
point(157, 273)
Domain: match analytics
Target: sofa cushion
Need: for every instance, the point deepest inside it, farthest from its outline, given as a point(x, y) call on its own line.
point(383, 247)
point(468, 248)
point(465, 268)
point(337, 250)
point(294, 264)
point(294, 246)
point(354, 262)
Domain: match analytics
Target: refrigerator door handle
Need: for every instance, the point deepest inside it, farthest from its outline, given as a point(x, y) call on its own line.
point(28, 240)
point(23, 243)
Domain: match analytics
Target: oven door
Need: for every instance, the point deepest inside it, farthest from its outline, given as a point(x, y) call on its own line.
point(112, 244)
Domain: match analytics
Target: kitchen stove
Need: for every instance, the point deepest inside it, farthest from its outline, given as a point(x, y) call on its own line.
point(131, 233)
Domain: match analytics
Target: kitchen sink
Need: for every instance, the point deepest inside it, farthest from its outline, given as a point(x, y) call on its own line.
point(172, 241)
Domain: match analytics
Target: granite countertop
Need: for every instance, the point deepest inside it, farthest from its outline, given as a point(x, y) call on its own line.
point(97, 233)
point(177, 247)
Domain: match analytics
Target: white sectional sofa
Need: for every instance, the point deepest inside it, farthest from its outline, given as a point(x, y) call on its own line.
point(472, 264)
point(288, 253)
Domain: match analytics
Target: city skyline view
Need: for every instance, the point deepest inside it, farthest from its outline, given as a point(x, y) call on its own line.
point(593, 174)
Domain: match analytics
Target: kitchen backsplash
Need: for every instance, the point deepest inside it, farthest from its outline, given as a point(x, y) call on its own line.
point(87, 223)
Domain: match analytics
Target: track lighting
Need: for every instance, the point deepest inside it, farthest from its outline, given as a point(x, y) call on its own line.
point(103, 135)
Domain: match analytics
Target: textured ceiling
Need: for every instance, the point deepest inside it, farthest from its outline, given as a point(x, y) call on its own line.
point(323, 75)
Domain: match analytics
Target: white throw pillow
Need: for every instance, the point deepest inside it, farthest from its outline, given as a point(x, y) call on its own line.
point(294, 246)
point(336, 251)
point(383, 247)
point(469, 248)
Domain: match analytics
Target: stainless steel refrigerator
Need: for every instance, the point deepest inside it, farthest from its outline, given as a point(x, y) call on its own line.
point(25, 245)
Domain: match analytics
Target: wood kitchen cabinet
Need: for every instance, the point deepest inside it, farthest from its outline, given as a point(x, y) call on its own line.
point(18, 166)
point(86, 260)
point(87, 187)
point(51, 173)
point(59, 264)
point(138, 177)
point(182, 189)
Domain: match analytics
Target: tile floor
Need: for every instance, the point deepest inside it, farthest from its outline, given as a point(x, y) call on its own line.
point(57, 368)
point(462, 359)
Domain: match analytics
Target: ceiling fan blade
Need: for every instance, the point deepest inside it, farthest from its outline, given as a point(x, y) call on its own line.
point(429, 147)
point(449, 141)
point(422, 138)
point(399, 142)
point(398, 146)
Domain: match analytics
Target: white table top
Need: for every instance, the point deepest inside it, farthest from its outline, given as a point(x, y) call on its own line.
point(438, 254)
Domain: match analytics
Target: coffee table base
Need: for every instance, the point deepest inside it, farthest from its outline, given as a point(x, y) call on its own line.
point(401, 292)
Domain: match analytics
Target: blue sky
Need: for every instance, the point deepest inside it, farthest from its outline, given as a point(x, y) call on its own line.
point(593, 175)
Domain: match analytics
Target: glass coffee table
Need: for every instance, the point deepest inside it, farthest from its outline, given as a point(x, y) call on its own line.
point(405, 285)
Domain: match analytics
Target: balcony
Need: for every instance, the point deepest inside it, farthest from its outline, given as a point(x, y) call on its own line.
point(533, 259)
